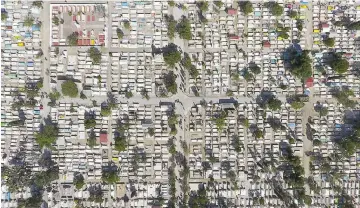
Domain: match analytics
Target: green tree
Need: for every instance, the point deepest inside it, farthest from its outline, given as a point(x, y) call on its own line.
point(171, 3)
point(33, 201)
point(245, 122)
point(127, 25)
point(47, 136)
point(96, 194)
point(299, 25)
point(105, 111)
point(110, 176)
point(307, 200)
point(82, 95)
point(220, 120)
point(172, 57)
point(184, 29)
point(293, 14)
point(248, 76)
point(229, 93)
point(255, 69)
point(301, 65)
point(128, 94)
point(342, 96)
point(258, 134)
point(274, 104)
point(323, 111)
point(79, 181)
point(203, 6)
point(90, 123)
point(95, 55)
point(69, 88)
point(38, 4)
point(329, 42)
point(4, 15)
point(56, 20)
point(145, 94)
point(246, 7)
point(317, 142)
point(120, 33)
point(297, 104)
point(29, 21)
point(72, 39)
point(16, 177)
point(170, 82)
point(219, 4)
point(91, 141)
point(151, 131)
point(54, 95)
point(339, 65)
point(275, 8)
point(120, 143)
point(237, 144)
point(171, 24)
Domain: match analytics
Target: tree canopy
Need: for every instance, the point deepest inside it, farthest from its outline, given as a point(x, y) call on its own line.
point(110, 175)
point(246, 7)
point(95, 55)
point(255, 69)
point(4, 15)
point(342, 95)
point(275, 8)
point(171, 24)
point(186, 62)
point(274, 104)
point(105, 111)
point(47, 136)
point(301, 65)
point(203, 6)
point(184, 29)
point(90, 123)
point(29, 21)
point(38, 4)
point(329, 42)
point(120, 143)
point(127, 25)
point(339, 65)
point(293, 14)
point(219, 4)
point(171, 3)
point(119, 33)
point(78, 180)
point(69, 88)
point(170, 82)
point(172, 56)
point(72, 39)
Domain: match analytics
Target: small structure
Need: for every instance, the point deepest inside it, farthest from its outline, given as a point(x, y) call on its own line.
point(231, 11)
point(266, 44)
point(325, 28)
point(103, 137)
point(233, 37)
point(310, 82)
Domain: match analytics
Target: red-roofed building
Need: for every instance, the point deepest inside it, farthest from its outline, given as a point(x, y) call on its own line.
point(103, 138)
point(231, 11)
point(234, 37)
point(266, 44)
point(310, 82)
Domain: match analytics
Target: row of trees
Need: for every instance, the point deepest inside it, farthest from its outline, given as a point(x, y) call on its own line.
point(183, 27)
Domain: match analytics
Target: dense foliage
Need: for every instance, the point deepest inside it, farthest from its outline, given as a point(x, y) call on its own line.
point(69, 88)
point(95, 55)
point(301, 65)
point(184, 29)
point(47, 136)
point(246, 7)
